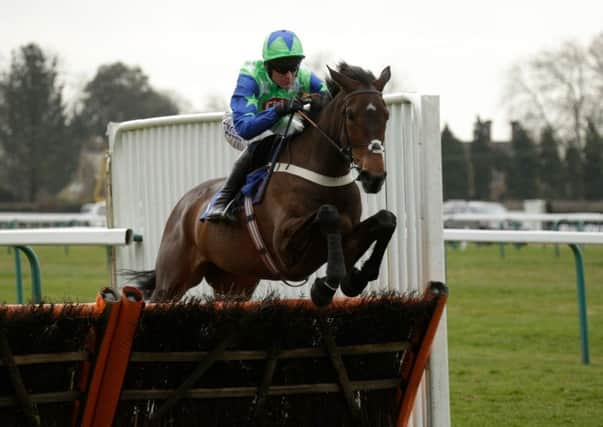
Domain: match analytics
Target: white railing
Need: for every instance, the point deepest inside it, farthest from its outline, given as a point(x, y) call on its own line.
point(67, 236)
point(21, 239)
point(519, 236)
point(525, 216)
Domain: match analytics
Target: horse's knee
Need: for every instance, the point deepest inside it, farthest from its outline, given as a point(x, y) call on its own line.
point(355, 282)
point(328, 219)
point(385, 221)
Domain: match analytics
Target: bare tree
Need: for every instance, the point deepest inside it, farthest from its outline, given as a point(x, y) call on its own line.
point(595, 62)
point(559, 89)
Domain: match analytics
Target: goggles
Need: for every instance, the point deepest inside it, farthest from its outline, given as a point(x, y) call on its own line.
point(283, 67)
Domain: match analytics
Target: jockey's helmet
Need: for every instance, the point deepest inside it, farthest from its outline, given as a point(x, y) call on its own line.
point(282, 44)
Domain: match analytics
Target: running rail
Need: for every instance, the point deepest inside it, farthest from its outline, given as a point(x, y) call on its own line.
point(20, 239)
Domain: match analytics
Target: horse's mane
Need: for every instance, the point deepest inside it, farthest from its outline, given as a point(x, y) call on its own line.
point(356, 73)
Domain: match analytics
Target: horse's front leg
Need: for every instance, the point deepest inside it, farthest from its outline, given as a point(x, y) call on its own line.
point(378, 228)
point(323, 289)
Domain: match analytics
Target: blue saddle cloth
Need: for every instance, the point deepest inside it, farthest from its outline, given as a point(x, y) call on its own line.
point(256, 181)
point(254, 187)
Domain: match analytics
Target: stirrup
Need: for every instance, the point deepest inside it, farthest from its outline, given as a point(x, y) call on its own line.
point(225, 215)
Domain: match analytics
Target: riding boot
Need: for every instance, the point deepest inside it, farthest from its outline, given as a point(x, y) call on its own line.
point(232, 185)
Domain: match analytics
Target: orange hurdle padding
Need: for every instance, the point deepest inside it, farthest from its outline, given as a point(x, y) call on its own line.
point(101, 412)
point(439, 291)
point(57, 309)
point(90, 347)
point(302, 303)
point(108, 302)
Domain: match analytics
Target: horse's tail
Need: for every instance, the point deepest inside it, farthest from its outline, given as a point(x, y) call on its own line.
point(144, 280)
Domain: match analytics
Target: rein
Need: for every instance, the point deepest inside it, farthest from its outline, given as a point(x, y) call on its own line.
point(341, 150)
point(346, 151)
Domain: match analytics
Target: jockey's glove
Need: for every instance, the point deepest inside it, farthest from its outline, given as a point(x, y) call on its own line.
point(289, 107)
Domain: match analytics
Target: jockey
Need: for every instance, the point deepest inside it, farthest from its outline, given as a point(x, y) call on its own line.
point(266, 91)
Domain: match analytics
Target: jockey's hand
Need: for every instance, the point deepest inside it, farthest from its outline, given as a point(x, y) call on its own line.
point(293, 105)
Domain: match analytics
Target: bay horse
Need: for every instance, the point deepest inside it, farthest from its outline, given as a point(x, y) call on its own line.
point(304, 223)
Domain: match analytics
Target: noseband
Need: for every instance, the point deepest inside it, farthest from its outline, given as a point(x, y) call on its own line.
point(375, 146)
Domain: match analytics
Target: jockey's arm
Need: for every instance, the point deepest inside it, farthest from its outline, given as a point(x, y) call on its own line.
point(248, 120)
point(317, 85)
point(318, 92)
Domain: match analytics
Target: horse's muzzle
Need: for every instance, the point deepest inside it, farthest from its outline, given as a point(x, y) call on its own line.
point(371, 183)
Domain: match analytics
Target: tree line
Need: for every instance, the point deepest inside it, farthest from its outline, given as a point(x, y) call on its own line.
point(556, 146)
point(41, 138)
point(524, 167)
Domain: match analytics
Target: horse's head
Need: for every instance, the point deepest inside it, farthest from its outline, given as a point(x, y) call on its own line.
point(360, 114)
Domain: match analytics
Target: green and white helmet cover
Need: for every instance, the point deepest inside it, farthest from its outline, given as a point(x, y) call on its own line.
point(282, 44)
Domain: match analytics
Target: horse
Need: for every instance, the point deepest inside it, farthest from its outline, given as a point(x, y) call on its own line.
point(304, 220)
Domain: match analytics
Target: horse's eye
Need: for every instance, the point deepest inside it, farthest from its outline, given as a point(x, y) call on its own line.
point(349, 115)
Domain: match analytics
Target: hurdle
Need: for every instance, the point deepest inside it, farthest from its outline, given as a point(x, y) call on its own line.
point(118, 362)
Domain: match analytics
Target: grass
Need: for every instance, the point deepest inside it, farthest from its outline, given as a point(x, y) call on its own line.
point(514, 343)
point(74, 273)
point(514, 340)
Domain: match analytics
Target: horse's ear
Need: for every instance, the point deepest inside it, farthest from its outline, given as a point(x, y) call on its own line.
point(344, 82)
point(386, 74)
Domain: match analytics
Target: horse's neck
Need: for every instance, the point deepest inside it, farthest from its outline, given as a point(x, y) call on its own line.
point(311, 150)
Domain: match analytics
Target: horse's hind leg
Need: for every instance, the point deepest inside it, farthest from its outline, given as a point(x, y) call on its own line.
point(323, 289)
point(378, 228)
point(177, 272)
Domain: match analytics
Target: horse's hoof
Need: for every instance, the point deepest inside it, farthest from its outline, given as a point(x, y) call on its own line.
point(354, 283)
point(322, 293)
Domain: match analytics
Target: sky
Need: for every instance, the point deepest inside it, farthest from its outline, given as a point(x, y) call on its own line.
point(459, 50)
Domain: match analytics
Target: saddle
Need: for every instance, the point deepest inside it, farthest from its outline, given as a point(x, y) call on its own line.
point(267, 148)
point(256, 181)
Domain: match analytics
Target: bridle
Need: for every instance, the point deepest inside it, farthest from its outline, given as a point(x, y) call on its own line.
point(345, 151)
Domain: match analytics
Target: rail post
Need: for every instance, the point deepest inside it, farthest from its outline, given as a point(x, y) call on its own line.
point(34, 265)
point(581, 293)
point(19, 278)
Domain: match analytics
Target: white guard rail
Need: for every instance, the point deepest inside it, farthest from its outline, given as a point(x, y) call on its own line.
point(512, 236)
point(67, 236)
point(523, 216)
